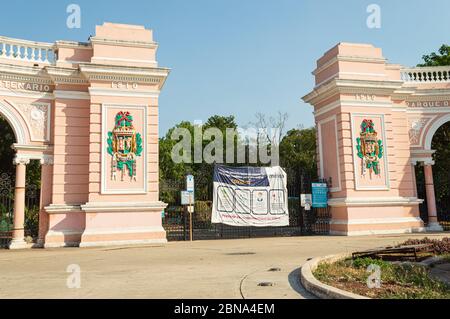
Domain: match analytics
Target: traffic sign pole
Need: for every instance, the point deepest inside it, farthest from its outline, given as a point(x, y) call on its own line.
point(190, 220)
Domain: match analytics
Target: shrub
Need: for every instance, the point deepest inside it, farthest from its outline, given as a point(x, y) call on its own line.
point(32, 221)
point(203, 211)
point(366, 262)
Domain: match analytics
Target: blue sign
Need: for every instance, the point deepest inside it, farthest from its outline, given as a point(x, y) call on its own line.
point(319, 195)
point(190, 183)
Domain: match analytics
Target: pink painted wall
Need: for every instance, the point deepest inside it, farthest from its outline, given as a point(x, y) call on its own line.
point(71, 152)
point(363, 202)
point(329, 151)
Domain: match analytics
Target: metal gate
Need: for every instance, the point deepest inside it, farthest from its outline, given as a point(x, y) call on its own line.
point(6, 208)
point(177, 224)
point(32, 200)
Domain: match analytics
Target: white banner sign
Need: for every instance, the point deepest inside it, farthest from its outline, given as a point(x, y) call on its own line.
point(250, 196)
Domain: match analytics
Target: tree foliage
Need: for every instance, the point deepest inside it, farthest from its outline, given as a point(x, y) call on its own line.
point(6, 152)
point(441, 170)
point(441, 58)
point(298, 150)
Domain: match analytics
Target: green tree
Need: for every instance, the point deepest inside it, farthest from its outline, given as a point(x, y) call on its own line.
point(437, 59)
point(168, 169)
point(174, 173)
point(298, 150)
point(441, 170)
point(7, 139)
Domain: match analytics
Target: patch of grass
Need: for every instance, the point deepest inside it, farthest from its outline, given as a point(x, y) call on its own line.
point(398, 281)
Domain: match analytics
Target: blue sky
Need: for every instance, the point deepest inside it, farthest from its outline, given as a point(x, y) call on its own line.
point(240, 57)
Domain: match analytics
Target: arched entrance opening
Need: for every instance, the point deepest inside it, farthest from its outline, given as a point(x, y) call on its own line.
point(438, 140)
point(441, 173)
point(7, 189)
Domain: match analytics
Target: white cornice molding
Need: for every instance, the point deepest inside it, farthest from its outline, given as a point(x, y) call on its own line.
point(73, 45)
point(52, 75)
point(427, 110)
point(26, 94)
point(31, 147)
point(66, 76)
point(124, 43)
point(71, 95)
point(375, 221)
point(123, 230)
point(91, 69)
point(109, 59)
point(346, 86)
point(120, 207)
point(115, 92)
point(430, 95)
point(373, 201)
point(62, 209)
point(353, 103)
point(428, 152)
point(347, 58)
point(10, 72)
point(148, 75)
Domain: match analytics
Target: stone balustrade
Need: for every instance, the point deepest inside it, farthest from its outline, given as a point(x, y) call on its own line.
point(438, 74)
point(27, 51)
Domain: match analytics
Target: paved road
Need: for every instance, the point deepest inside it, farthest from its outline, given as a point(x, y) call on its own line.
point(203, 269)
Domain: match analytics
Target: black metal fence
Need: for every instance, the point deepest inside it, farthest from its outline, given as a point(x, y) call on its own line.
point(177, 222)
point(6, 208)
point(32, 201)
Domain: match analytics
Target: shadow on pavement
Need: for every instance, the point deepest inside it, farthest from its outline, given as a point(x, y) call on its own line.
point(294, 281)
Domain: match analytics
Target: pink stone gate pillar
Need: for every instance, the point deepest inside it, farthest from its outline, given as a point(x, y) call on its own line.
point(104, 181)
point(18, 234)
point(363, 142)
point(433, 224)
point(123, 202)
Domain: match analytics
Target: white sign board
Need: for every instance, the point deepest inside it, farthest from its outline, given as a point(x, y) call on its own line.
point(187, 198)
point(250, 196)
point(306, 199)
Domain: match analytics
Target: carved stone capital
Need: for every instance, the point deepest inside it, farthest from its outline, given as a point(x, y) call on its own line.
point(21, 159)
point(26, 158)
point(47, 160)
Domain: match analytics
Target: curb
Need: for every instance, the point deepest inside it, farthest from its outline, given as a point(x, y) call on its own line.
point(320, 289)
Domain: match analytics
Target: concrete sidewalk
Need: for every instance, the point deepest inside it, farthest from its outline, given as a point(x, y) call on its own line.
point(202, 269)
